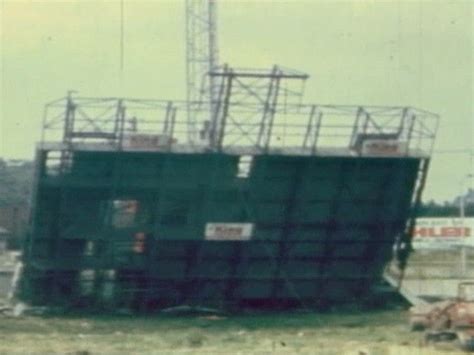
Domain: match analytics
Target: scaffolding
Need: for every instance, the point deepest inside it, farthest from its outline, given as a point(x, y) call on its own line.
point(256, 112)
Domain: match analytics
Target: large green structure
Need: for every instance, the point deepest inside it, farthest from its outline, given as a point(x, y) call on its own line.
point(307, 207)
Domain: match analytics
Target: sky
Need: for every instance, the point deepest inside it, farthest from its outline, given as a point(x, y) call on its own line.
point(406, 52)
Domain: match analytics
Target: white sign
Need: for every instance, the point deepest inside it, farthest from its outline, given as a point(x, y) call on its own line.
point(439, 233)
point(229, 231)
point(384, 147)
point(146, 141)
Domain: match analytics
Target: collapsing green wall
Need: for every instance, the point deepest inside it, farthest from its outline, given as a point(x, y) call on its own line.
point(323, 227)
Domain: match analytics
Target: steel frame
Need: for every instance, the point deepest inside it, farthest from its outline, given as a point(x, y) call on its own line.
point(249, 112)
point(260, 112)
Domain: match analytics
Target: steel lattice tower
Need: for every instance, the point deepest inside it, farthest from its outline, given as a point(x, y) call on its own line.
point(201, 59)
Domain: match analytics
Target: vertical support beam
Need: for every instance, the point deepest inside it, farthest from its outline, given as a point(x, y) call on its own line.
point(166, 123)
point(310, 126)
point(214, 124)
point(272, 113)
point(332, 226)
point(69, 119)
point(379, 227)
point(287, 230)
point(33, 227)
point(116, 177)
point(269, 110)
point(355, 128)
point(153, 240)
point(117, 120)
point(188, 287)
point(366, 122)
point(229, 293)
point(171, 128)
point(403, 245)
point(410, 130)
point(169, 123)
point(312, 131)
point(195, 282)
point(57, 251)
point(316, 133)
point(225, 113)
point(116, 183)
point(404, 117)
point(265, 111)
point(119, 124)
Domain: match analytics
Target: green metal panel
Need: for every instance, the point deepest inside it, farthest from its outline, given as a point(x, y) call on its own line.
point(324, 226)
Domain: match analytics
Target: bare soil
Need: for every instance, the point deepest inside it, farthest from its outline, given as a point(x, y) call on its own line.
point(359, 333)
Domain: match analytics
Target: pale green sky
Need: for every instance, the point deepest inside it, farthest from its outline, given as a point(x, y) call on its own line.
point(407, 52)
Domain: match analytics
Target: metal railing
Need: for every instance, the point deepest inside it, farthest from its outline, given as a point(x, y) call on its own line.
point(116, 123)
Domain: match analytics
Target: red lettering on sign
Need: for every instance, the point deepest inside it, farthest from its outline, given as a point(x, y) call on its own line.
point(419, 232)
point(451, 232)
point(228, 231)
point(443, 232)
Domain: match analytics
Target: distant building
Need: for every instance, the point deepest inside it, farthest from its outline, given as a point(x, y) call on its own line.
point(5, 235)
point(14, 218)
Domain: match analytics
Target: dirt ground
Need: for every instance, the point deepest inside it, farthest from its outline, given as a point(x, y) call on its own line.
point(358, 333)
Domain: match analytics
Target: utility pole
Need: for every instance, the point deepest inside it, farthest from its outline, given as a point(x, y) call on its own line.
point(462, 216)
point(201, 59)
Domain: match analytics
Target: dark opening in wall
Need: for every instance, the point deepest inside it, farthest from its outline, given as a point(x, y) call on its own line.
point(123, 213)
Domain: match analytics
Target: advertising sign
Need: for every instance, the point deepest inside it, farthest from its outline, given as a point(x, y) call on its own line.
point(384, 147)
point(146, 141)
point(229, 231)
point(439, 233)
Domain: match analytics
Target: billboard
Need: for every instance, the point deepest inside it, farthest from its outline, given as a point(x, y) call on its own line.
point(229, 231)
point(384, 147)
point(147, 141)
point(443, 233)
